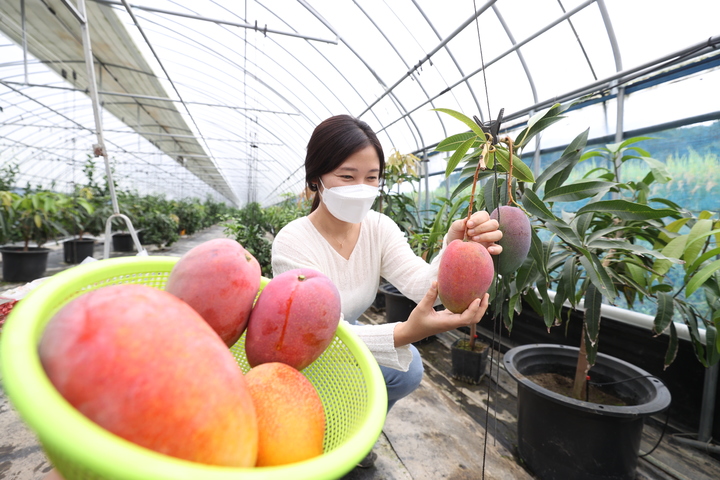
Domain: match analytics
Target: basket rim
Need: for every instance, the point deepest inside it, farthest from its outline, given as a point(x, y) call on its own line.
point(50, 416)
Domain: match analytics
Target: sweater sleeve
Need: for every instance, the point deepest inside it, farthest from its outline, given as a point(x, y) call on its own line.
point(408, 272)
point(380, 341)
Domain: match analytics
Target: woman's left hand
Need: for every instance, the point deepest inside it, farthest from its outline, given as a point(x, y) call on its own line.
point(425, 321)
point(480, 228)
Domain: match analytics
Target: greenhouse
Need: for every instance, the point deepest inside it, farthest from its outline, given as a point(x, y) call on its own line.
point(580, 136)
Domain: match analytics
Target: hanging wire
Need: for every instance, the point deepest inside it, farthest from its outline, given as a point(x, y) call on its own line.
point(495, 304)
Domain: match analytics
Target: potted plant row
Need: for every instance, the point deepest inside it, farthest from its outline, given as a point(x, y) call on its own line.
point(594, 238)
point(29, 218)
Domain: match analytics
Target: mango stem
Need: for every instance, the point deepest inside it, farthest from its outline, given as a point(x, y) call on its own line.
point(480, 166)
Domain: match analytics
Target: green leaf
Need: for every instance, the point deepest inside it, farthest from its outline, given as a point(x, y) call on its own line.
point(658, 169)
point(672, 349)
point(453, 142)
point(571, 155)
point(532, 299)
point(578, 191)
point(598, 275)
point(673, 249)
point(627, 210)
point(699, 261)
point(548, 310)
point(520, 170)
point(537, 123)
point(494, 193)
point(581, 224)
point(604, 232)
point(696, 241)
point(630, 247)
point(698, 231)
point(537, 252)
point(593, 301)
point(461, 187)
point(464, 119)
point(526, 271)
point(457, 156)
point(536, 207)
point(665, 312)
point(563, 230)
point(700, 277)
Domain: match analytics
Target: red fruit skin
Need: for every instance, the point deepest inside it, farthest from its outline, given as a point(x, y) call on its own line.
point(220, 280)
point(294, 319)
point(291, 418)
point(516, 229)
point(465, 273)
point(145, 366)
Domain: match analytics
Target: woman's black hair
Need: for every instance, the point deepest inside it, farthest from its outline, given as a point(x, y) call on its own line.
point(331, 143)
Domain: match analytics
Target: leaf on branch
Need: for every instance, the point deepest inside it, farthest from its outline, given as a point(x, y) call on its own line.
point(627, 210)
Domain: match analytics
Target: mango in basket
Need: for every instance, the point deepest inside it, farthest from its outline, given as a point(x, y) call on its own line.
point(220, 280)
point(294, 319)
point(145, 366)
point(291, 419)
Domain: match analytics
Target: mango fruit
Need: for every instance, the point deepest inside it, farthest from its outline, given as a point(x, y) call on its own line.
point(465, 273)
point(294, 319)
point(291, 418)
point(220, 280)
point(516, 230)
point(145, 366)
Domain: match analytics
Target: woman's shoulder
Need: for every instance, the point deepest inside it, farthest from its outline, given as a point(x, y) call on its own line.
point(298, 227)
point(380, 223)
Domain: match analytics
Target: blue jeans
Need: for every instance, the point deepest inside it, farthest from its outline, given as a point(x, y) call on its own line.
point(401, 384)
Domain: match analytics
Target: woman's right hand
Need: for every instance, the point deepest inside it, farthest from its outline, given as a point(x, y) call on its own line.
point(424, 321)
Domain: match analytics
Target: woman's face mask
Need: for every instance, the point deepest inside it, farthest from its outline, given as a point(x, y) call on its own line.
point(349, 203)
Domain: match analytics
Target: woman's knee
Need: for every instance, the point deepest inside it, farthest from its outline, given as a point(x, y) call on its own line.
point(401, 384)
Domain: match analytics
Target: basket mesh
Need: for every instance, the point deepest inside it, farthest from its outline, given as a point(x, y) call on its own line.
point(337, 374)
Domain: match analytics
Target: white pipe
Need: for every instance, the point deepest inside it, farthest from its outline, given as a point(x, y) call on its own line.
point(633, 318)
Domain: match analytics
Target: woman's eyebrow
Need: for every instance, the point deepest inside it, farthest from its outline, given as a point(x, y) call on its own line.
point(353, 169)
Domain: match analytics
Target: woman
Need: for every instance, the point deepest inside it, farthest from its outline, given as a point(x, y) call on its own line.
point(355, 246)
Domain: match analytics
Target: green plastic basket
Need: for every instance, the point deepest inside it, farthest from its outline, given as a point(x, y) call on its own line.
point(346, 376)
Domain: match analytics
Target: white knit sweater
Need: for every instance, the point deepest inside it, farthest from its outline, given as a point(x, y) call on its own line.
point(381, 250)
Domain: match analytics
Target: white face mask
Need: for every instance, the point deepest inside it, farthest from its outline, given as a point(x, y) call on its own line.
point(349, 203)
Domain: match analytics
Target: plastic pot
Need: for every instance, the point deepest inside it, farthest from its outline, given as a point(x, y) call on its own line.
point(23, 266)
point(468, 365)
point(78, 249)
point(123, 242)
point(561, 437)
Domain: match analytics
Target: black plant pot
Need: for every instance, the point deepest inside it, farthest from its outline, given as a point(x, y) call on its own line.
point(78, 249)
point(397, 305)
point(560, 437)
point(468, 365)
point(122, 242)
point(20, 266)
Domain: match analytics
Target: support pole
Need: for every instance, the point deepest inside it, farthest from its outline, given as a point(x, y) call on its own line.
point(99, 148)
point(708, 402)
point(24, 40)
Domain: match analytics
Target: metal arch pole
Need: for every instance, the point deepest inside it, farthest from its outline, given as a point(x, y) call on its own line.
point(620, 99)
point(99, 148)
